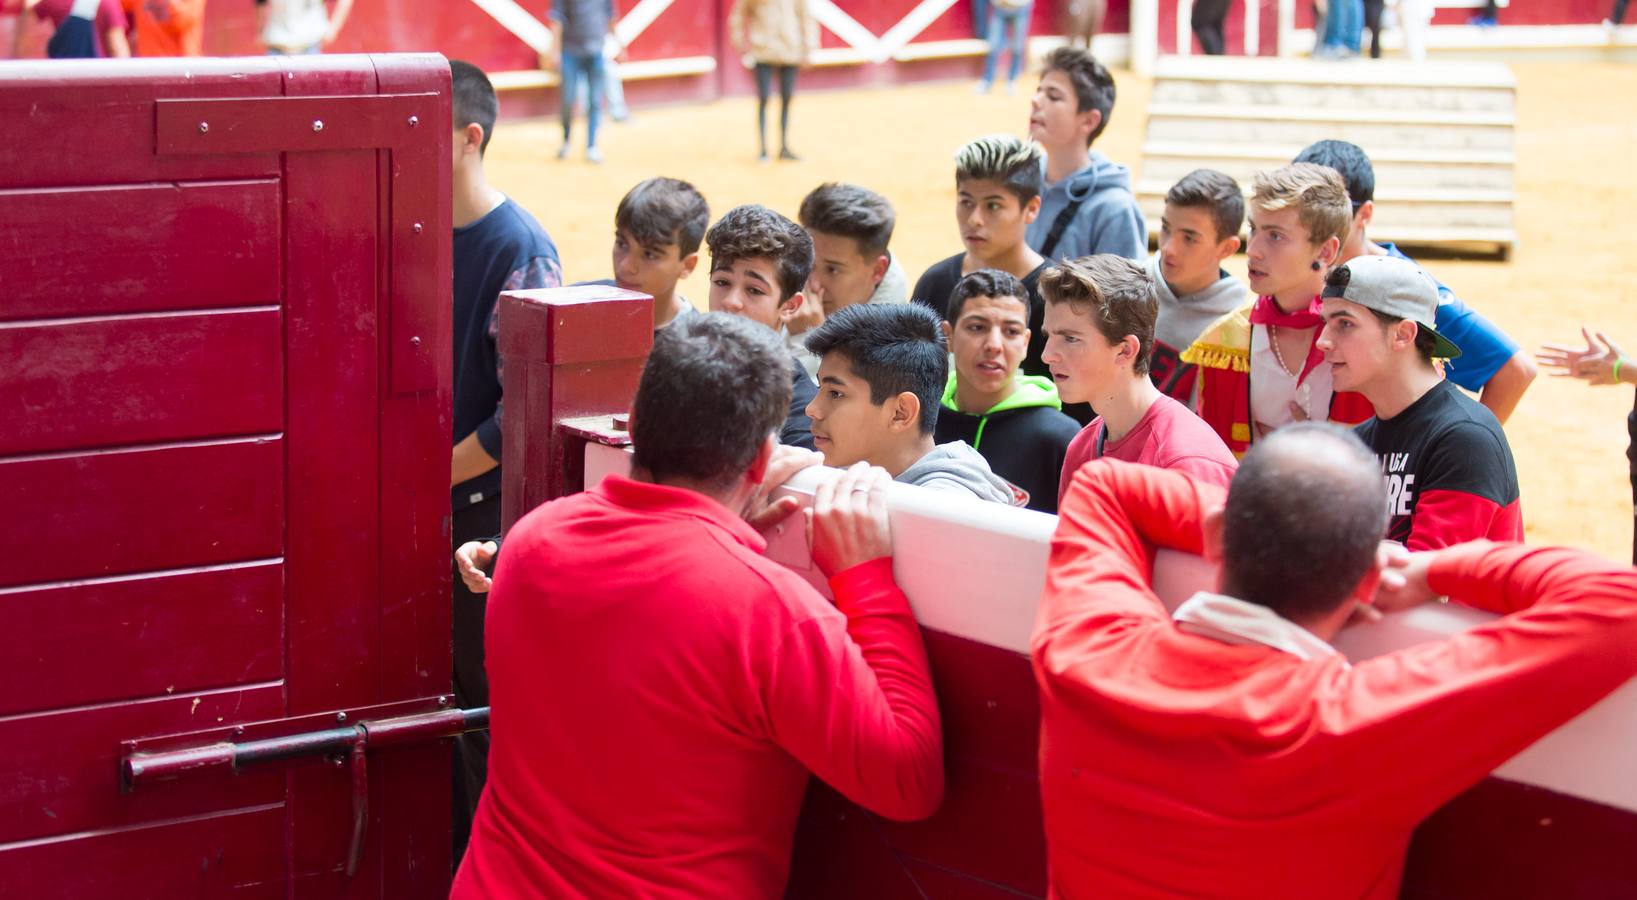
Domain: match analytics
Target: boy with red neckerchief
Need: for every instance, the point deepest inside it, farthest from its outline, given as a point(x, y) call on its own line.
point(1259, 365)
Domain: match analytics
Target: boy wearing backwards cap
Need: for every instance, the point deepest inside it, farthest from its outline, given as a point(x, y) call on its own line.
point(1449, 470)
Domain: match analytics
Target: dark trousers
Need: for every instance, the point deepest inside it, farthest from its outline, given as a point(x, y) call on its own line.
point(1207, 21)
point(478, 522)
point(764, 90)
point(1619, 14)
point(1372, 21)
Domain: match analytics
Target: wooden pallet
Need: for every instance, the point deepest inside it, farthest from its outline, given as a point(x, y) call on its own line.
point(1440, 135)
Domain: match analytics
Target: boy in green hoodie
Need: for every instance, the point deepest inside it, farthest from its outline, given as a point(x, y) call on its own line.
point(1015, 421)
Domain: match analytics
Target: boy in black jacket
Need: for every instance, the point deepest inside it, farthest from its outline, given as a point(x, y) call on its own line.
point(1015, 421)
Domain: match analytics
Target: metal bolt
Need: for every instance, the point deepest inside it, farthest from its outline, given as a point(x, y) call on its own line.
point(318, 125)
point(415, 228)
point(204, 127)
point(238, 730)
point(414, 120)
point(341, 717)
point(414, 342)
point(443, 701)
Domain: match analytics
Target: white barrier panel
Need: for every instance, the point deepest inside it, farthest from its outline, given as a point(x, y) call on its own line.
point(976, 570)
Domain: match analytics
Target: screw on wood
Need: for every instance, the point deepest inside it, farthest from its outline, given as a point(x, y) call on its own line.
point(414, 120)
point(204, 127)
point(318, 125)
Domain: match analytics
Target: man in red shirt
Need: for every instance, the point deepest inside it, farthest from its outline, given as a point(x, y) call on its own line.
point(1228, 750)
point(1100, 315)
point(660, 690)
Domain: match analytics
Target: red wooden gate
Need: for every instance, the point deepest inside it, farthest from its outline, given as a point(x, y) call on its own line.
point(224, 446)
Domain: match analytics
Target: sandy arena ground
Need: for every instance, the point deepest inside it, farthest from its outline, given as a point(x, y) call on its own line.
point(1577, 133)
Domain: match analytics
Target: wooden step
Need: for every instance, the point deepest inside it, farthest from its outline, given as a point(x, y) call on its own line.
point(1418, 97)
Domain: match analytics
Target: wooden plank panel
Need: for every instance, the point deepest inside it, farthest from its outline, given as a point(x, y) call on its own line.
point(111, 639)
point(88, 122)
point(138, 248)
point(215, 856)
point(116, 512)
point(332, 329)
point(136, 379)
point(62, 768)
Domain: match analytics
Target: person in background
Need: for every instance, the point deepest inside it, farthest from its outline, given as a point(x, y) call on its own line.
point(1601, 362)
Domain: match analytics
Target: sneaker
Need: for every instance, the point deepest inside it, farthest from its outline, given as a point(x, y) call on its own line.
point(1610, 30)
point(1482, 21)
point(1011, 88)
point(762, 157)
point(593, 155)
point(983, 87)
point(562, 152)
point(787, 156)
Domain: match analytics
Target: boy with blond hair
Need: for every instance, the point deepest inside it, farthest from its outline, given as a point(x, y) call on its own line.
point(1260, 368)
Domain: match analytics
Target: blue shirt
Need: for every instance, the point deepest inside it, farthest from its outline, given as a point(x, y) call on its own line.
point(1484, 347)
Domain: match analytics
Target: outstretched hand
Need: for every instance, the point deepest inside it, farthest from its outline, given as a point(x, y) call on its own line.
point(763, 514)
point(848, 523)
point(471, 559)
point(1594, 364)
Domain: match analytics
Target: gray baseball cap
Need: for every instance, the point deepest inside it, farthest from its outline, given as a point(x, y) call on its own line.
point(1395, 287)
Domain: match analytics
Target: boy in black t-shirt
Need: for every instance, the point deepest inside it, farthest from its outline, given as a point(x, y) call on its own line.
point(1449, 470)
point(997, 186)
point(1015, 421)
point(759, 265)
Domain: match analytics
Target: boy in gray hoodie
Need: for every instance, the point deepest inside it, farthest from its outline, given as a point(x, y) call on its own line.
point(1087, 206)
point(882, 371)
point(1200, 228)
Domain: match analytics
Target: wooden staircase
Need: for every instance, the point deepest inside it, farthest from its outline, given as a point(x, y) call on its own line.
point(1440, 136)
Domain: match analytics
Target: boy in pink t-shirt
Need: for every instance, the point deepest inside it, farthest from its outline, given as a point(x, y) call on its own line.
point(1100, 313)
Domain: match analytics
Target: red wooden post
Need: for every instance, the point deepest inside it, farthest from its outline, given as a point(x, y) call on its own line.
point(568, 353)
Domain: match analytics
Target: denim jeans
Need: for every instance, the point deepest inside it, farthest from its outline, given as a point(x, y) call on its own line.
point(999, 19)
point(577, 66)
point(1344, 24)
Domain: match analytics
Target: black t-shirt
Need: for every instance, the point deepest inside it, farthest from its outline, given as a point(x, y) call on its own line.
point(938, 282)
point(1449, 470)
point(798, 428)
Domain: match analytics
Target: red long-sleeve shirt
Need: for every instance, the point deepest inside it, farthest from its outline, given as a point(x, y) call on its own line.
point(1173, 764)
point(660, 692)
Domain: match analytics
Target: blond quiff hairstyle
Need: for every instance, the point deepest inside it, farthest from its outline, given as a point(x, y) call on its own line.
point(1316, 192)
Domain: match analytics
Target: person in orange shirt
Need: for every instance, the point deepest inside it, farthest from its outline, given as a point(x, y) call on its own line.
point(1227, 749)
point(167, 27)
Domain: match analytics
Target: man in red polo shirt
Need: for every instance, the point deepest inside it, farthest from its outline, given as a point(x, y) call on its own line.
point(1228, 750)
point(660, 690)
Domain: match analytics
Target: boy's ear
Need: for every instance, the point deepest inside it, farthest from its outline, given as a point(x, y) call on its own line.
point(1366, 212)
point(1227, 247)
point(472, 138)
point(688, 263)
point(1031, 210)
point(906, 412)
point(787, 309)
point(1089, 120)
point(949, 332)
point(879, 270)
point(1330, 251)
point(1129, 348)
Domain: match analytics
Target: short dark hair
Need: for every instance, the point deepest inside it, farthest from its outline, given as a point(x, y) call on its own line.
point(1117, 293)
point(1425, 343)
point(660, 211)
point(847, 210)
point(1093, 85)
point(1349, 162)
point(754, 231)
point(1306, 512)
point(713, 388)
point(1216, 192)
point(987, 283)
point(472, 100)
point(1015, 163)
point(893, 347)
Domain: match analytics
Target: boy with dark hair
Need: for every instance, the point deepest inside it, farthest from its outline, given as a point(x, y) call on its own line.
point(657, 229)
point(850, 227)
point(1015, 421)
point(759, 264)
point(1450, 474)
point(882, 370)
point(1259, 368)
point(1199, 229)
point(1492, 365)
point(498, 247)
point(1087, 206)
point(1100, 314)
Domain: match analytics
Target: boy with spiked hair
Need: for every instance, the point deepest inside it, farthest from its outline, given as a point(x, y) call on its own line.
point(1199, 229)
point(759, 264)
point(1260, 368)
point(1015, 421)
point(1100, 313)
point(1087, 206)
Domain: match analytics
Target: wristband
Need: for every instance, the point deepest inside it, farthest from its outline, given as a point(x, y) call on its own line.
point(1617, 361)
